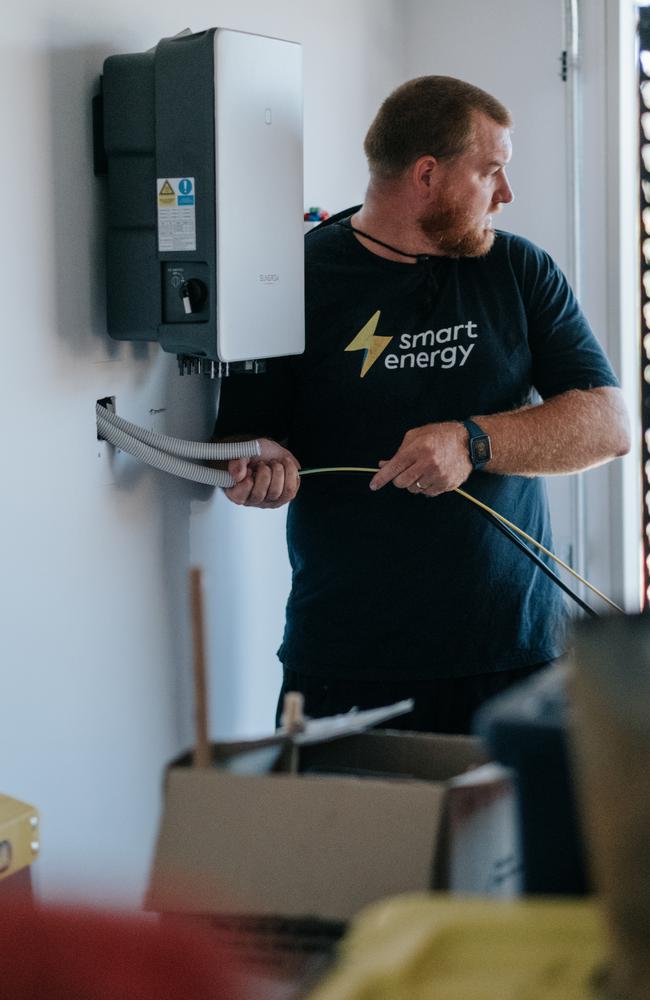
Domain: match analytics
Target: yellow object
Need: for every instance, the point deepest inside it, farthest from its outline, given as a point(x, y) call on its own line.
point(437, 947)
point(19, 835)
point(372, 345)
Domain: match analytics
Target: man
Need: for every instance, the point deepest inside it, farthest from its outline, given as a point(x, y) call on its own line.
point(421, 317)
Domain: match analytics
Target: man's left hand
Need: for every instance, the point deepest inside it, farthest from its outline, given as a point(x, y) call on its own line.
point(432, 459)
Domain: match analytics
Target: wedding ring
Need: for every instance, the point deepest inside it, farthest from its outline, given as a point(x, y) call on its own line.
point(419, 485)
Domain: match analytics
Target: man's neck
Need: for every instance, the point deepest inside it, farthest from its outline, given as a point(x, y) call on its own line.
point(389, 223)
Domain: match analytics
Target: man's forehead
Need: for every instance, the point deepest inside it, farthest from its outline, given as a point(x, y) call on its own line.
point(491, 140)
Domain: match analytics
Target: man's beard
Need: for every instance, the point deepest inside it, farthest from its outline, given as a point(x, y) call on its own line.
point(450, 229)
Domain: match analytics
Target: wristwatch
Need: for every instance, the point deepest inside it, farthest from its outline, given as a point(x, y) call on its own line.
point(479, 445)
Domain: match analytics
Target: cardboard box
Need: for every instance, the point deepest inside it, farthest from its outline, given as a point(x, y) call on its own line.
point(360, 818)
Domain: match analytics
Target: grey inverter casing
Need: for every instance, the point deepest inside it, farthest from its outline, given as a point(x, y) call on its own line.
point(203, 150)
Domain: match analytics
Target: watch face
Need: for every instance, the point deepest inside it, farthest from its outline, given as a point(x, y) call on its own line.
point(481, 450)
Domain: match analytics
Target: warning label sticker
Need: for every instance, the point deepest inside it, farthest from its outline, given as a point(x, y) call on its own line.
point(176, 200)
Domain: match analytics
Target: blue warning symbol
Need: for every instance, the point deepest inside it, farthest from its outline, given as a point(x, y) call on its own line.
point(185, 186)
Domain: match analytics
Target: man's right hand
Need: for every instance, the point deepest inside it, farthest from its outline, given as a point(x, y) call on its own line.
point(268, 480)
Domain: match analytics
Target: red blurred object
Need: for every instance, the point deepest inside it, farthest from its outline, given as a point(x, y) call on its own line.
point(75, 954)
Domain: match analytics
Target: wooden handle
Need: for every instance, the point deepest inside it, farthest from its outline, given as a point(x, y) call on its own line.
point(202, 755)
point(293, 719)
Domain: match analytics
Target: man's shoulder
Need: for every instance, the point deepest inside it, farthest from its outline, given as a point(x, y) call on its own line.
point(526, 262)
point(519, 249)
point(326, 239)
point(515, 243)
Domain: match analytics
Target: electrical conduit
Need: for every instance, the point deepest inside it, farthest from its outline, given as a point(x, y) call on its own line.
point(171, 454)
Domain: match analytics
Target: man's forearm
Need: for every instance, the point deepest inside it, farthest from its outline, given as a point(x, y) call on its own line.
point(574, 431)
point(567, 433)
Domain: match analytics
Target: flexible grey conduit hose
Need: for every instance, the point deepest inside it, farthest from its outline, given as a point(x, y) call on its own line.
point(111, 428)
point(201, 450)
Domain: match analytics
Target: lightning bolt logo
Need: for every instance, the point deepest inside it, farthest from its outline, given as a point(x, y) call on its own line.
point(366, 341)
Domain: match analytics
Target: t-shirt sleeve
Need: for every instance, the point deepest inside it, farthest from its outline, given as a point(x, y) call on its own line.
point(566, 354)
point(257, 405)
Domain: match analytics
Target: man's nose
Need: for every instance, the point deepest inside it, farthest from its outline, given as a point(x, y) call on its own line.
point(504, 194)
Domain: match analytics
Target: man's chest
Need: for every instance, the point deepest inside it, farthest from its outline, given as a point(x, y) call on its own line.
point(391, 343)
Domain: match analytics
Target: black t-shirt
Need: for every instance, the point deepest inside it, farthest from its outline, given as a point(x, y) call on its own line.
point(391, 584)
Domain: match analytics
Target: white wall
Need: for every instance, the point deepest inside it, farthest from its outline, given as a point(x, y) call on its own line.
point(510, 48)
point(95, 551)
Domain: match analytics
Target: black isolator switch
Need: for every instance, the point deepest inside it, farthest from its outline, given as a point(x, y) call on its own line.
point(194, 294)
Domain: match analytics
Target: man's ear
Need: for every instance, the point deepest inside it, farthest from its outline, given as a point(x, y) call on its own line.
point(424, 174)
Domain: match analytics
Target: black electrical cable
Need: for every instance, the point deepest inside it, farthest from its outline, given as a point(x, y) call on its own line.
point(509, 533)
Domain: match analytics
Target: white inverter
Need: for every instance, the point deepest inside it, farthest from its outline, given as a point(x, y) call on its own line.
point(201, 139)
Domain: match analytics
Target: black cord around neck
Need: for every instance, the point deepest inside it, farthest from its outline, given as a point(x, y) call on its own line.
point(402, 253)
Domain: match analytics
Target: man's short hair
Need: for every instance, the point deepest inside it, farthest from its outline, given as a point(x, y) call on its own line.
point(430, 115)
